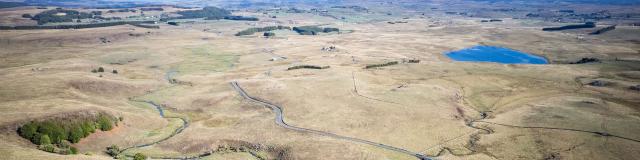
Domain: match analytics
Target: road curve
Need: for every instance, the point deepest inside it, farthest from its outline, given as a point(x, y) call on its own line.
point(279, 120)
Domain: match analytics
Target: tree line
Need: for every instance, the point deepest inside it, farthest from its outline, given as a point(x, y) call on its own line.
point(251, 31)
point(576, 26)
point(78, 26)
point(313, 30)
point(60, 15)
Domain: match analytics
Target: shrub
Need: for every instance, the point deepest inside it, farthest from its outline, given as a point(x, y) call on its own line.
point(105, 123)
point(100, 69)
point(76, 134)
point(27, 16)
point(269, 34)
point(28, 130)
point(173, 23)
point(139, 156)
point(48, 148)
point(73, 150)
point(88, 128)
point(53, 130)
point(114, 71)
point(44, 140)
point(113, 151)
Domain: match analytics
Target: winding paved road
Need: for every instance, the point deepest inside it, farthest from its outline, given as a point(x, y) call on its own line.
point(279, 120)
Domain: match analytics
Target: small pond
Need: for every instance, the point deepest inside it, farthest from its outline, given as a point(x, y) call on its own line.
point(495, 54)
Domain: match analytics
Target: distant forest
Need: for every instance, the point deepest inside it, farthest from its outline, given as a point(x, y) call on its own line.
point(60, 15)
point(210, 13)
point(12, 4)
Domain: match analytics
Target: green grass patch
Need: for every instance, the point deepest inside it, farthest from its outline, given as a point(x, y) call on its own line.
point(203, 59)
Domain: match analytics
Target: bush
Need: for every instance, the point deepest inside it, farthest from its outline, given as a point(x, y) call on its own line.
point(100, 69)
point(55, 131)
point(269, 34)
point(139, 156)
point(28, 130)
point(44, 140)
point(48, 148)
point(76, 134)
point(27, 16)
point(105, 123)
point(73, 150)
point(114, 71)
point(88, 128)
point(113, 151)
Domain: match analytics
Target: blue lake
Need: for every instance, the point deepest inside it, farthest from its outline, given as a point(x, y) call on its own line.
point(495, 54)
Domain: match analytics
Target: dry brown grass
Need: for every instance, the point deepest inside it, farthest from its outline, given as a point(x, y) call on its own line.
point(421, 107)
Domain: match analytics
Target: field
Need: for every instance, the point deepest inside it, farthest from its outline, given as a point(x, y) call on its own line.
point(438, 107)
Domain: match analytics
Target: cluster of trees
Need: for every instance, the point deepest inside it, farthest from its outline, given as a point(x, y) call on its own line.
point(206, 12)
point(603, 30)
point(313, 30)
point(380, 65)
point(307, 67)
point(152, 9)
point(240, 18)
point(100, 69)
point(122, 10)
point(115, 152)
point(586, 60)
point(55, 135)
point(251, 31)
point(60, 15)
point(577, 26)
point(11, 4)
point(75, 26)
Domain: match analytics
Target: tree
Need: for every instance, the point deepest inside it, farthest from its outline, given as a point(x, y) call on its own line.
point(100, 69)
point(139, 156)
point(27, 16)
point(113, 151)
point(114, 71)
point(45, 140)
